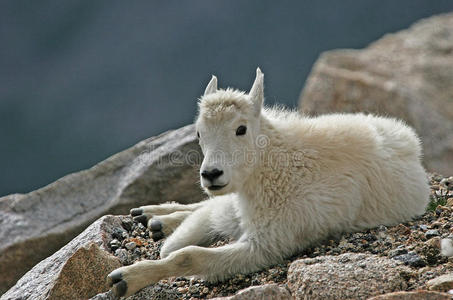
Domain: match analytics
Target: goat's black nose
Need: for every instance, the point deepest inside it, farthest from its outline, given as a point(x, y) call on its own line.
point(211, 175)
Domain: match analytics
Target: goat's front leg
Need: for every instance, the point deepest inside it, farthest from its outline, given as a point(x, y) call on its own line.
point(216, 219)
point(212, 264)
point(164, 226)
point(163, 219)
point(165, 208)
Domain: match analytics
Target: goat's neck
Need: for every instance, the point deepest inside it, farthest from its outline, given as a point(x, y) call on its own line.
point(254, 192)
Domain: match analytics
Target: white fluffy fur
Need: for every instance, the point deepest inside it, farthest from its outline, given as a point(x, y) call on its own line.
point(290, 181)
point(446, 247)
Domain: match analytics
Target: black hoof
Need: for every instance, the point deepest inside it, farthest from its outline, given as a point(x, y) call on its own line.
point(156, 225)
point(142, 219)
point(136, 212)
point(119, 286)
point(158, 235)
point(115, 277)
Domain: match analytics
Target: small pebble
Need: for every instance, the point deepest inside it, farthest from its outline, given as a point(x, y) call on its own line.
point(436, 224)
point(124, 256)
point(423, 227)
point(450, 201)
point(130, 246)
point(435, 187)
point(193, 289)
point(447, 182)
point(118, 233)
point(115, 244)
point(398, 251)
point(382, 228)
point(127, 224)
point(432, 233)
point(412, 259)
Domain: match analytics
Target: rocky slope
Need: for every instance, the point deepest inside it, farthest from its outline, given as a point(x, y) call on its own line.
point(406, 259)
point(356, 265)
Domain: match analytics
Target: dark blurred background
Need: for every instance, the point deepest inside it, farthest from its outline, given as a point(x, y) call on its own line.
point(82, 80)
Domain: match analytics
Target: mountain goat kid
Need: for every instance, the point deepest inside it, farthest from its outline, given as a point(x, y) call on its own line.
point(279, 182)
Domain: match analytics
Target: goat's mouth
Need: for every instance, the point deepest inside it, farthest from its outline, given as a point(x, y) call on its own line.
point(215, 187)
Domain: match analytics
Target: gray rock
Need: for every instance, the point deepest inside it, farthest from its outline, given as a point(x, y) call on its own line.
point(76, 271)
point(105, 296)
point(262, 292)
point(155, 292)
point(194, 289)
point(447, 182)
point(35, 225)
point(423, 227)
point(119, 233)
point(398, 251)
point(382, 228)
point(432, 233)
point(130, 246)
point(127, 224)
point(114, 244)
point(408, 75)
point(123, 256)
point(412, 259)
point(341, 277)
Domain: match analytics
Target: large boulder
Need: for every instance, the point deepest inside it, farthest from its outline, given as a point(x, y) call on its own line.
point(408, 75)
point(346, 276)
point(35, 225)
point(76, 271)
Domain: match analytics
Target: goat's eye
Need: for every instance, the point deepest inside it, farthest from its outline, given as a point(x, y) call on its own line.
point(241, 130)
point(198, 134)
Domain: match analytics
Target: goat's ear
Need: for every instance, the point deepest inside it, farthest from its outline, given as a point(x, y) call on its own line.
point(257, 92)
point(212, 86)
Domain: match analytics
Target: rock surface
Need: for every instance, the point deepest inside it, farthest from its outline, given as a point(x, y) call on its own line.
point(408, 75)
point(381, 245)
point(417, 295)
point(83, 275)
point(386, 242)
point(35, 225)
point(76, 271)
point(347, 276)
point(442, 283)
point(262, 292)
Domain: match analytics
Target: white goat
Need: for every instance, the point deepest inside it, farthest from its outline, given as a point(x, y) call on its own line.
point(279, 183)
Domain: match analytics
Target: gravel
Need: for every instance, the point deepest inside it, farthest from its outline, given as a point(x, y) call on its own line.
point(416, 243)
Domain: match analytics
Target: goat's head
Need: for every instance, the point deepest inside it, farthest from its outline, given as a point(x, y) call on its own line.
point(228, 126)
